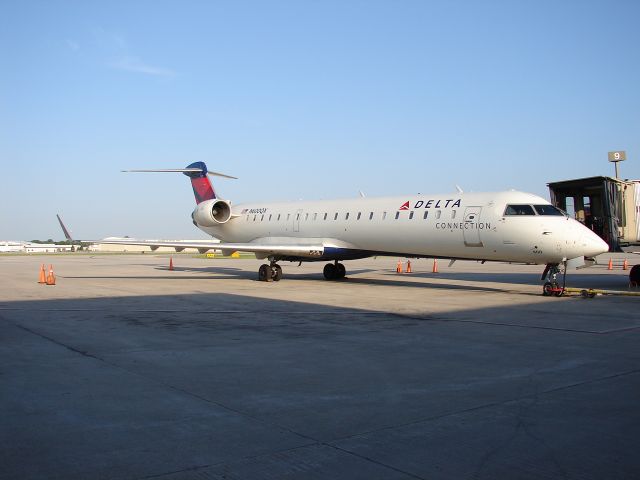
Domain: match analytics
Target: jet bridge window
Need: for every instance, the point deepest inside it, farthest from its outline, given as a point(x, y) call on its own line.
point(518, 210)
point(548, 210)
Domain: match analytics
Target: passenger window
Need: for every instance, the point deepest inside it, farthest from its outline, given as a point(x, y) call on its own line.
point(278, 217)
point(359, 215)
point(384, 215)
point(298, 216)
point(346, 217)
point(547, 210)
point(335, 217)
point(371, 216)
point(518, 210)
point(270, 215)
point(410, 215)
point(426, 214)
point(325, 216)
point(397, 215)
point(262, 218)
point(306, 217)
point(315, 217)
point(288, 216)
point(255, 217)
point(438, 214)
point(453, 214)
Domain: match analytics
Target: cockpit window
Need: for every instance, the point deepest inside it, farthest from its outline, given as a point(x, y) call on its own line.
point(548, 210)
point(519, 210)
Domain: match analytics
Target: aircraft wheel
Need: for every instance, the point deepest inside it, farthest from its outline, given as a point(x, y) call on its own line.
point(264, 273)
point(340, 270)
point(547, 289)
point(330, 271)
point(276, 273)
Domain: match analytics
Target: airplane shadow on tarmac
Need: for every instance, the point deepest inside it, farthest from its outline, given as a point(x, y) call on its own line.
point(221, 385)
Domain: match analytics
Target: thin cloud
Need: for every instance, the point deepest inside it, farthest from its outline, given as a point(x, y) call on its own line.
point(134, 64)
point(73, 45)
point(123, 57)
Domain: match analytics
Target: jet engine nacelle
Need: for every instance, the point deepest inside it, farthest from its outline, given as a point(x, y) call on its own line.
point(211, 213)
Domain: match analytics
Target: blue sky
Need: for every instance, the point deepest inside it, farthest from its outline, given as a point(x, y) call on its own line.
point(302, 99)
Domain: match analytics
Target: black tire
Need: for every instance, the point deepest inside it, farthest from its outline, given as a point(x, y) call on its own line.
point(264, 273)
point(341, 272)
point(547, 289)
point(329, 271)
point(276, 273)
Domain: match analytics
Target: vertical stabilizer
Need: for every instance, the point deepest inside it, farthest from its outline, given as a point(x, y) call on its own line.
point(202, 187)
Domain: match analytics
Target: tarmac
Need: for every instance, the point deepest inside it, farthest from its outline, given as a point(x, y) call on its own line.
point(127, 370)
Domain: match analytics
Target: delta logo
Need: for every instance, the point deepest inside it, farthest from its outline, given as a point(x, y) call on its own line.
point(451, 202)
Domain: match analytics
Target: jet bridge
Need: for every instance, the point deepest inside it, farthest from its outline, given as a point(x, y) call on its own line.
point(608, 206)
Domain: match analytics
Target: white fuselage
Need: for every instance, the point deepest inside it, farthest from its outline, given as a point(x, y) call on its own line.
point(460, 225)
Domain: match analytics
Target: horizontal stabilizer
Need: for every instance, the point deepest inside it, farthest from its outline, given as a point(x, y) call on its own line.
point(182, 170)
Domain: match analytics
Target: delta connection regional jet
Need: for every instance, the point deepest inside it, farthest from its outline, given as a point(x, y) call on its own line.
point(505, 226)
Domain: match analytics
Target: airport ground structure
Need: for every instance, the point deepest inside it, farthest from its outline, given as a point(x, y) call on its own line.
point(126, 369)
point(7, 246)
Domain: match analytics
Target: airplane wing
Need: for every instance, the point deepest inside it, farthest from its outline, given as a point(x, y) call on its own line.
point(261, 250)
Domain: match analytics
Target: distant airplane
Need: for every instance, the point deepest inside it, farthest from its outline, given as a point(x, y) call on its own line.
point(507, 226)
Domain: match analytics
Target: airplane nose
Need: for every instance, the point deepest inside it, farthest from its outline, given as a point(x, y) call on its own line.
point(593, 244)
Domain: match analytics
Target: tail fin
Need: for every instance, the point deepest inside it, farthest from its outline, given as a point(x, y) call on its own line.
point(202, 186)
point(197, 172)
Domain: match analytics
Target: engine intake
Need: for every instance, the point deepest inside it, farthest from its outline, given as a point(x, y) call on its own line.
point(211, 213)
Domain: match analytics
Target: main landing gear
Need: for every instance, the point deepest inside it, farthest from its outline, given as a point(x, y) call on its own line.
point(552, 286)
point(270, 273)
point(334, 271)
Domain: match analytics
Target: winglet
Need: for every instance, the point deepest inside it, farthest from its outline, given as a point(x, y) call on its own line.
point(67, 235)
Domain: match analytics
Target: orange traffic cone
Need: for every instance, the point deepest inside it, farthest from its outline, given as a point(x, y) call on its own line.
point(435, 265)
point(408, 266)
point(625, 265)
point(399, 267)
point(171, 263)
point(610, 267)
point(51, 278)
point(43, 275)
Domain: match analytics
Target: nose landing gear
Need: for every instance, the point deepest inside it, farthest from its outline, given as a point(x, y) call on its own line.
point(552, 286)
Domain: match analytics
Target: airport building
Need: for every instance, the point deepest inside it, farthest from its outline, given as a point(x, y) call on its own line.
point(7, 246)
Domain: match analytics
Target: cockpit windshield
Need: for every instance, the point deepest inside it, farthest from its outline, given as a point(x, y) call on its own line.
point(515, 209)
point(548, 210)
point(519, 210)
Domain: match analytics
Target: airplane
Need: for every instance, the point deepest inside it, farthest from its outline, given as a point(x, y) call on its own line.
point(507, 226)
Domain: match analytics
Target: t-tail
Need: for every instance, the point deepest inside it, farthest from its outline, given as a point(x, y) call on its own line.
point(199, 175)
